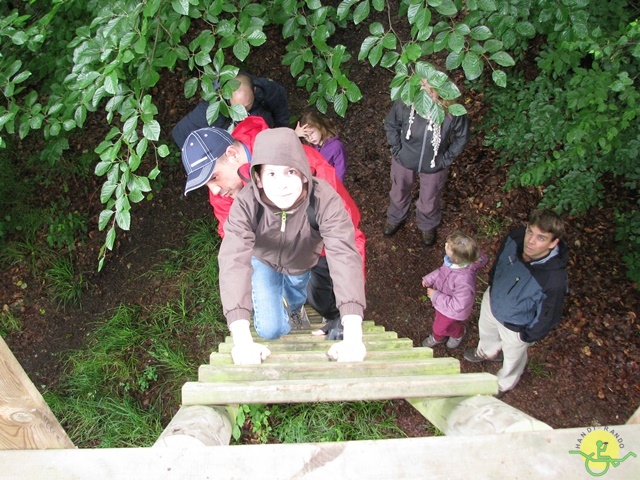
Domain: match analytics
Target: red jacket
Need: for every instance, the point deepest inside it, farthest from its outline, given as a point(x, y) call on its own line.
point(246, 132)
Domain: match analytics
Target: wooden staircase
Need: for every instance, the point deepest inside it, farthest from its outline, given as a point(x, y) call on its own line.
point(485, 438)
point(299, 371)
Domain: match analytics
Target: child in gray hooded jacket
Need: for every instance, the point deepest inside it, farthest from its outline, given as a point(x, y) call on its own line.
point(270, 245)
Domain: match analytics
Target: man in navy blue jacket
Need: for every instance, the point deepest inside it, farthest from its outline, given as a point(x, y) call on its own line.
point(259, 96)
point(525, 298)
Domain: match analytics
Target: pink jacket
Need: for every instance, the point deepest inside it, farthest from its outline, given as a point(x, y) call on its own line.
point(456, 288)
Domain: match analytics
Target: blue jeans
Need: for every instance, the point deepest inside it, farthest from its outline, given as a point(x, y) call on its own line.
point(268, 288)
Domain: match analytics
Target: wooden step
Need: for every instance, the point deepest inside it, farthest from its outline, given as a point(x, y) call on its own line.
point(338, 389)
point(320, 356)
point(322, 345)
point(303, 336)
point(307, 371)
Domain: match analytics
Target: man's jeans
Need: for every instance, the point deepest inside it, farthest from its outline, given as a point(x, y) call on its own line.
point(270, 317)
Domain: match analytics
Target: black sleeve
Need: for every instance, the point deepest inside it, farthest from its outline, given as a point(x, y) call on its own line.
point(273, 97)
point(195, 119)
point(393, 128)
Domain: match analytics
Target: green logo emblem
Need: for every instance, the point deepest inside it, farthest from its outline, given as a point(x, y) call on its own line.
point(601, 450)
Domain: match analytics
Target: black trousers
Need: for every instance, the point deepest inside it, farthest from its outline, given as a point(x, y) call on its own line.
point(320, 291)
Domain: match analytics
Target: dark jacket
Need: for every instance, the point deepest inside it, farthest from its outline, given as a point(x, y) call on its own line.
point(270, 103)
point(416, 152)
point(285, 241)
point(528, 297)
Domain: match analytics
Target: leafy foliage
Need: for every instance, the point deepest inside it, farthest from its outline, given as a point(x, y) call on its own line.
point(565, 130)
point(574, 126)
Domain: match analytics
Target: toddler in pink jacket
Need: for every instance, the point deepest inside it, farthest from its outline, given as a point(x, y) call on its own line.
point(452, 289)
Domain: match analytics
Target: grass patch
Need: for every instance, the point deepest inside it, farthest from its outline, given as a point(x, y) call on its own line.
point(64, 285)
point(333, 422)
point(125, 384)
point(490, 227)
point(9, 323)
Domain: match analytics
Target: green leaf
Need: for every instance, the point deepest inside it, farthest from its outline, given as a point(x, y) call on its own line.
point(237, 112)
point(151, 7)
point(389, 41)
point(454, 60)
point(492, 45)
point(480, 33)
point(487, 5)
point(389, 59)
point(503, 59)
point(472, 66)
point(257, 38)
point(111, 238)
point(129, 126)
point(447, 8)
point(360, 14)
point(190, 87)
point(21, 77)
point(105, 215)
point(376, 29)
point(163, 151)
point(366, 46)
point(202, 58)
point(134, 162)
point(375, 55)
point(180, 6)
point(340, 104)
point(241, 49)
point(151, 130)
point(297, 66)
point(141, 147)
point(80, 115)
point(353, 93)
point(136, 195)
point(156, 171)
point(412, 52)
point(123, 219)
point(111, 83)
point(499, 78)
point(457, 110)
point(526, 29)
point(456, 42)
point(142, 184)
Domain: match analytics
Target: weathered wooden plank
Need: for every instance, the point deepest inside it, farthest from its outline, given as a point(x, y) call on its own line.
point(307, 337)
point(321, 356)
point(542, 455)
point(298, 371)
point(197, 426)
point(26, 421)
point(338, 389)
point(324, 345)
point(480, 414)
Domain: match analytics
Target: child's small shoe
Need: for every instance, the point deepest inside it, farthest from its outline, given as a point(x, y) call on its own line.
point(455, 342)
point(431, 342)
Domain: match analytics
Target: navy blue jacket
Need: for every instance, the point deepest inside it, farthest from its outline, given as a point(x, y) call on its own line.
point(528, 297)
point(270, 103)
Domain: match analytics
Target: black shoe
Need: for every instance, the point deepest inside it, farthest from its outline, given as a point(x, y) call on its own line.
point(501, 393)
point(429, 237)
point(390, 229)
point(471, 355)
point(334, 329)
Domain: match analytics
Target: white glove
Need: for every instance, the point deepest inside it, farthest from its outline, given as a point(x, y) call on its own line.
point(245, 351)
point(351, 349)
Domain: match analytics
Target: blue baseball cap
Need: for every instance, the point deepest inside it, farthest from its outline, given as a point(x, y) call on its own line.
point(200, 152)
